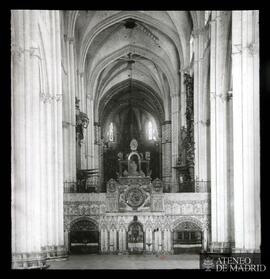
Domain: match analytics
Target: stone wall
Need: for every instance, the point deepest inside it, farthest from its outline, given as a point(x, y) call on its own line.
point(158, 225)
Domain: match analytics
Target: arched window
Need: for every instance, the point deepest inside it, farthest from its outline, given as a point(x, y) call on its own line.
point(111, 132)
point(191, 44)
point(151, 133)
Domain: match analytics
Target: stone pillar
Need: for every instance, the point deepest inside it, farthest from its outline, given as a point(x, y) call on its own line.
point(37, 171)
point(167, 240)
point(59, 197)
point(175, 131)
point(98, 153)
point(183, 103)
point(122, 240)
point(219, 146)
point(153, 241)
point(113, 240)
point(205, 240)
point(66, 239)
point(82, 97)
point(166, 154)
point(71, 122)
point(246, 130)
point(90, 135)
point(26, 198)
point(125, 241)
point(201, 108)
point(148, 239)
point(157, 241)
point(104, 240)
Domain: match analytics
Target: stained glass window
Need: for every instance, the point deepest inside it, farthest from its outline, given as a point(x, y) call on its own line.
point(151, 131)
point(111, 132)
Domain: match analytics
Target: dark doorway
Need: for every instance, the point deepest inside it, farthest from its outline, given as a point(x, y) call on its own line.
point(135, 238)
point(84, 238)
point(187, 238)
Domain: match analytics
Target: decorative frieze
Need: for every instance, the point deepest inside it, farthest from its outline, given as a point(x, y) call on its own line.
point(187, 204)
point(48, 98)
point(18, 51)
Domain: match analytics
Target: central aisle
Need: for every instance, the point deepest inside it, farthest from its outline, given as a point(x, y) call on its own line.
point(185, 261)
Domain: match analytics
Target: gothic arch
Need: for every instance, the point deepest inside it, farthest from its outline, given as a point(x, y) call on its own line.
point(136, 222)
point(90, 35)
point(171, 77)
point(189, 219)
point(85, 218)
point(100, 108)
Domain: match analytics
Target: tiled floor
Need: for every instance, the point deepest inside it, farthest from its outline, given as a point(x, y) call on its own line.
point(184, 261)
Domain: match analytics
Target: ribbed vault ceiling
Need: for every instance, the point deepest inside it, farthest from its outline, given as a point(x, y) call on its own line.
point(147, 47)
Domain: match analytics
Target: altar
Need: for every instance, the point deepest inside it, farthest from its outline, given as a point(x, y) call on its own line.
point(134, 189)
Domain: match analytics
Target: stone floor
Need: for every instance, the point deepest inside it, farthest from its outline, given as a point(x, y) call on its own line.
point(183, 261)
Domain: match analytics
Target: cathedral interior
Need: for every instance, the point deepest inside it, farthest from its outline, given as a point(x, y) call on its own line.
point(134, 132)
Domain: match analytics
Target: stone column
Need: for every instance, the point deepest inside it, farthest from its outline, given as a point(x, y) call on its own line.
point(205, 240)
point(26, 197)
point(153, 241)
point(37, 172)
point(246, 130)
point(125, 241)
point(120, 240)
point(219, 147)
point(98, 154)
point(90, 135)
point(60, 250)
point(175, 131)
point(113, 240)
point(69, 123)
point(201, 108)
point(72, 111)
point(167, 240)
point(149, 239)
point(82, 97)
point(104, 240)
point(166, 154)
point(183, 103)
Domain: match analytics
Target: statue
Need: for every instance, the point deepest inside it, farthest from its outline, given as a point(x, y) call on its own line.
point(111, 185)
point(147, 155)
point(133, 169)
point(120, 156)
point(133, 144)
point(125, 173)
point(157, 185)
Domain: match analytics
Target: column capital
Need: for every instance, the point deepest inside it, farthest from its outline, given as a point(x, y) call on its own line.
point(18, 51)
point(48, 98)
point(223, 97)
